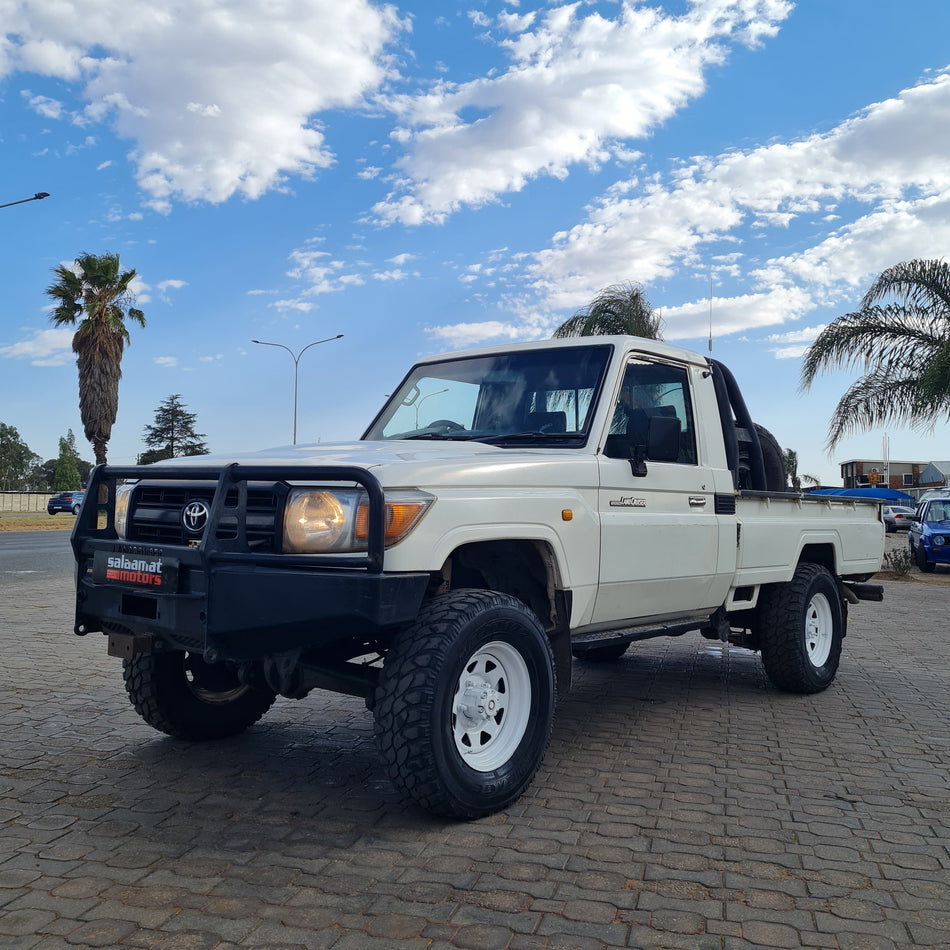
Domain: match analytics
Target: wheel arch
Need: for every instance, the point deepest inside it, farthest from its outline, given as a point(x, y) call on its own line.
point(526, 568)
point(823, 554)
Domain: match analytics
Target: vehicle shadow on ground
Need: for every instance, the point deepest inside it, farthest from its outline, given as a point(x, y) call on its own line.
point(310, 771)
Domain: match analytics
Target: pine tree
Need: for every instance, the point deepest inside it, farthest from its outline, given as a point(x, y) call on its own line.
point(173, 434)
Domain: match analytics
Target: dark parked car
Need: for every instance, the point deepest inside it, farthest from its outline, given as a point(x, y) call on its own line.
point(65, 501)
point(929, 536)
point(898, 517)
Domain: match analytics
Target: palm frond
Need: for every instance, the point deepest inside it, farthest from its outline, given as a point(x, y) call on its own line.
point(922, 283)
point(620, 309)
point(895, 335)
point(878, 399)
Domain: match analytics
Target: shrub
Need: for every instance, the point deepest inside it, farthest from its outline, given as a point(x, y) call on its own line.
point(899, 561)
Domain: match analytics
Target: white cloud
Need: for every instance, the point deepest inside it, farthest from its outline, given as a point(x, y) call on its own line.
point(804, 335)
point(169, 361)
point(218, 97)
point(572, 90)
point(885, 167)
point(303, 306)
point(320, 273)
point(43, 105)
point(43, 348)
point(458, 335)
point(790, 352)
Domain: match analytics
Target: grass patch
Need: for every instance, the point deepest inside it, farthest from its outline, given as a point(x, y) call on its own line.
point(60, 522)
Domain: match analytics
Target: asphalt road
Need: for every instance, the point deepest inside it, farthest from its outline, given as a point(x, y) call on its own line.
point(42, 554)
point(684, 804)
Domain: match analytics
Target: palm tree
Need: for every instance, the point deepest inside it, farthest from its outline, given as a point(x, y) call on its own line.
point(96, 298)
point(619, 308)
point(900, 336)
point(791, 469)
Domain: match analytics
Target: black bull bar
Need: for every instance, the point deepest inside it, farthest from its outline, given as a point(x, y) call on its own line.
point(229, 601)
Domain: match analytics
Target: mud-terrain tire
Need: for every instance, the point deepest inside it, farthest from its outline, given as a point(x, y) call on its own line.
point(465, 703)
point(773, 462)
point(801, 628)
point(181, 695)
point(601, 654)
point(773, 458)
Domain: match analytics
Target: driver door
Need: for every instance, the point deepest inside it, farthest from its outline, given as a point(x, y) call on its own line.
point(660, 534)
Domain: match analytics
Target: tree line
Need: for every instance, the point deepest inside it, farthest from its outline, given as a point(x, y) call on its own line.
point(171, 435)
point(899, 336)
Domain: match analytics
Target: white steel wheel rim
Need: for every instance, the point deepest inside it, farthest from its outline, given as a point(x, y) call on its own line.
point(819, 630)
point(491, 706)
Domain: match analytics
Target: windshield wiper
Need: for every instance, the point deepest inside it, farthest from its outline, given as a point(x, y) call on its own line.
point(438, 436)
point(528, 437)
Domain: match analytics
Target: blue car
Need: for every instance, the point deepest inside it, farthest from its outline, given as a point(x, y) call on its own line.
point(929, 535)
point(65, 501)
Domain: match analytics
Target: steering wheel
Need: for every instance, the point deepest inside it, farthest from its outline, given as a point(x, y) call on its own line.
point(446, 424)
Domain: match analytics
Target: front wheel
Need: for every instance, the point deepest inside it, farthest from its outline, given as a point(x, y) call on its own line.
point(181, 695)
point(465, 704)
point(801, 628)
point(920, 555)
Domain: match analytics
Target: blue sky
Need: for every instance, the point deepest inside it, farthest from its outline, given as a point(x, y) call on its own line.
point(428, 176)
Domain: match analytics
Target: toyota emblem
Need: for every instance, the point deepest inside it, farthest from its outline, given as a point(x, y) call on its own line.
point(194, 516)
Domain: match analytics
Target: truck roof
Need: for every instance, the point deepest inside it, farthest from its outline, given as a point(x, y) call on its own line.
point(657, 347)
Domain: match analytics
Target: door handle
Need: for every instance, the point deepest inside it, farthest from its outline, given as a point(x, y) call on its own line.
point(697, 501)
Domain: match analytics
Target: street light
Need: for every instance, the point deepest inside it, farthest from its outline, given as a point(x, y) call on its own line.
point(423, 399)
point(37, 197)
point(296, 360)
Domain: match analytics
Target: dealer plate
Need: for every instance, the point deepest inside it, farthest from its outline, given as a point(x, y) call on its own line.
point(141, 571)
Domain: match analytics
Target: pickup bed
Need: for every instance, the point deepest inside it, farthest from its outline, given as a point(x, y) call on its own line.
point(509, 510)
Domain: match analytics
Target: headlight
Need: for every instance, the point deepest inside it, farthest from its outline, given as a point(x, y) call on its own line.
point(321, 521)
point(123, 496)
point(939, 540)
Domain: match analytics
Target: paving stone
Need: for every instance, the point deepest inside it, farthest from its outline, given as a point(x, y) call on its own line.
point(698, 809)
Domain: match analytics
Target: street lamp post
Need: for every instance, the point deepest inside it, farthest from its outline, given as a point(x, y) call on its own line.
point(296, 360)
point(423, 399)
point(37, 197)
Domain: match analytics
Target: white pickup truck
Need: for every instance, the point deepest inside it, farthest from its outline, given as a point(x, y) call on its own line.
point(510, 509)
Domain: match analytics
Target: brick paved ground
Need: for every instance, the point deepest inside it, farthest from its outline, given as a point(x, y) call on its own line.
point(684, 803)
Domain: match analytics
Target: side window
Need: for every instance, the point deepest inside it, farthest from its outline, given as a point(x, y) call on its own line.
point(652, 389)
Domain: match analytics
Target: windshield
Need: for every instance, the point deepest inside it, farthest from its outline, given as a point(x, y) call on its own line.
point(545, 395)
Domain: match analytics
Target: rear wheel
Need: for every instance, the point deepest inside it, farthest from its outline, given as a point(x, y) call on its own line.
point(801, 628)
point(181, 695)
point(465, 704)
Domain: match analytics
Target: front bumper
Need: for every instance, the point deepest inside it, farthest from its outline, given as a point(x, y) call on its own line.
point(938, 555)
point(222, 598)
